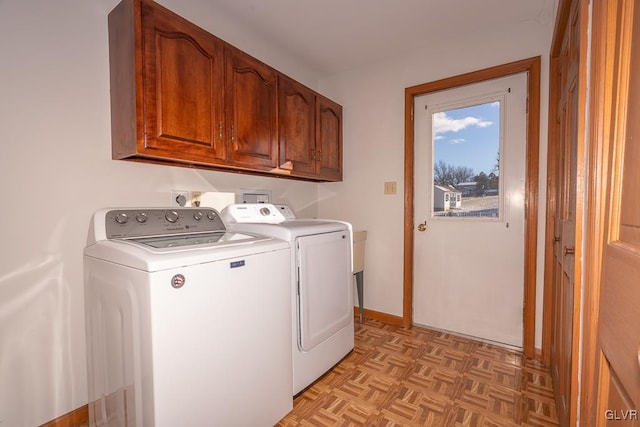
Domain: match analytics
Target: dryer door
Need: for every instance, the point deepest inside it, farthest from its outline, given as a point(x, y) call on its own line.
point(325, 295)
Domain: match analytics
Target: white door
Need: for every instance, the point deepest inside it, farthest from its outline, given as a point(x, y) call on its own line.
point(470, 153)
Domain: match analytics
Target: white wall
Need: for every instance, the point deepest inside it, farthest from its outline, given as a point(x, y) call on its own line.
point(373, 101)
point(56, 170)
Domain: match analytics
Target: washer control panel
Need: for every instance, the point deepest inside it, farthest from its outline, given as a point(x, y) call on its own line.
point(125, 223)
point(252, 213)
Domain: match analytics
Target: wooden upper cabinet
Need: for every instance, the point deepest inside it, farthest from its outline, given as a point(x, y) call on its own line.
point(329, 138)
point(310, 128)
point(170, 84)
point(181, 96)
point(251, 106)
point(296, 105)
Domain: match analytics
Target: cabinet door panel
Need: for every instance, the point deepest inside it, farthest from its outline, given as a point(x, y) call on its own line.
point(329, 138)
point(251, 111)
point(183, 88)
point(296, 110)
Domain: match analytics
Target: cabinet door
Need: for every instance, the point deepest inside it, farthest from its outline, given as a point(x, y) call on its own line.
point(296, 112)
point(329, 138)
point(251, 102)
point(182, 78)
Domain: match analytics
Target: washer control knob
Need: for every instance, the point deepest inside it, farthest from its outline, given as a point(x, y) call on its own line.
point(171, 216)
point(122, 218)
point(211, 215)
point(265, 211)
point(141, 217)
point(197, 215)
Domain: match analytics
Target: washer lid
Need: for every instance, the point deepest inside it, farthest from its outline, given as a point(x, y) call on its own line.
point(162, 242)
point(142, 256)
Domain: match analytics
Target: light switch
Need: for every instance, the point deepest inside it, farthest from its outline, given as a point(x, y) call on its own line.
point(390, 187)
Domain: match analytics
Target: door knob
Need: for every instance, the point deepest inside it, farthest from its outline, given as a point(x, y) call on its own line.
point(569, 251)
point(423, 226)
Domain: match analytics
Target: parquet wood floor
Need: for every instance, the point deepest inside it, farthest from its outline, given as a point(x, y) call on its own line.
point(419, 377)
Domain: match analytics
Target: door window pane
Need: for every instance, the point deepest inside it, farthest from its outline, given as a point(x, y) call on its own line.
point(466, 160)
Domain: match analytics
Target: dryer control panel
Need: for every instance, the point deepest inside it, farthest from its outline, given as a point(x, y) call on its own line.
point(286, 211)
point(264, 213)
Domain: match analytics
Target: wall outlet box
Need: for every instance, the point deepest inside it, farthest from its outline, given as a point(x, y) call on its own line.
point(255, 196)
point(179, 198)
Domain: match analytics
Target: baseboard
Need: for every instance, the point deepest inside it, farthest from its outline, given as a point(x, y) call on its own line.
point(76, 418)
point(378, 315)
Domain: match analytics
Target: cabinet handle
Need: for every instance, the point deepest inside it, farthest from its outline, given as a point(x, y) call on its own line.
point(313, 154)
point(319, 156)
point(233, 134)
point(569, 251)
point(556, 239)
point(220, 130)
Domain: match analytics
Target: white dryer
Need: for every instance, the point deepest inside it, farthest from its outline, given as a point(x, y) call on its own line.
point(187, 324)
point(321, 284)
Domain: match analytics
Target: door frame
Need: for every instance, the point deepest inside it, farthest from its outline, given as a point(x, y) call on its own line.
point(532, 67)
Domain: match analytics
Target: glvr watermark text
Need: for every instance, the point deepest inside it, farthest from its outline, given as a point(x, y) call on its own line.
point(622, 414)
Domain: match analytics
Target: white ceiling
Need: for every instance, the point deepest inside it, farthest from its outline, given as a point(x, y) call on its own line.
point(330, 36)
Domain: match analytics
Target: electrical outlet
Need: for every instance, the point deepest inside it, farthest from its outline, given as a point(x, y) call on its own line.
point(196, 199)
point(179, 198)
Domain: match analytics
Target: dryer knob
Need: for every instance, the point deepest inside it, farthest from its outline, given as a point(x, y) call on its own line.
point(171, 216)
point(197, 215)
point(211, 215)
point(265, 211)
point(141, 217)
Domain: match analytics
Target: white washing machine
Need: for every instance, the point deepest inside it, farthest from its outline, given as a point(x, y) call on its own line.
point(187, 324)
point(321, 284)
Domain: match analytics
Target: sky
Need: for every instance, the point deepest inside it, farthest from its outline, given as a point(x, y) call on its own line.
point(468, 136)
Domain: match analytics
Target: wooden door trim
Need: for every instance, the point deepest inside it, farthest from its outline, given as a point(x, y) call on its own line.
point(552, 204)
point(595, 197)
point(561, 26)
point(531, 66)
